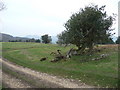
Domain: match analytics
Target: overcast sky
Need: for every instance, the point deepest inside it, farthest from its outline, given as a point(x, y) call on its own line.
point(38, 17)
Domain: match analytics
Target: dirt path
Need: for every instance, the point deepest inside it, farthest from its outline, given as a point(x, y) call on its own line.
point(12, 82)
point(43, 79)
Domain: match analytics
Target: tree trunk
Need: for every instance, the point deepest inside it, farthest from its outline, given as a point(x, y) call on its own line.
point(90, 48)
point(81, 49)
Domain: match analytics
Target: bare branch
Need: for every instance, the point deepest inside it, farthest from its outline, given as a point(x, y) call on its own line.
point(2, 6)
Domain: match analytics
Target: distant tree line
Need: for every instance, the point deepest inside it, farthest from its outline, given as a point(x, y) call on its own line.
point(44, 39)
point(28, 40)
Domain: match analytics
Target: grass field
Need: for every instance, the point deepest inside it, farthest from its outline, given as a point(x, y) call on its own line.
point(102, 73)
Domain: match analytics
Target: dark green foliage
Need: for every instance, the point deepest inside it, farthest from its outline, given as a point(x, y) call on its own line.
point(32, 40)
point(27, 40)
point(110, 41)
point(63, 38)
point(118, 40)
point(20, 40)
point(87, 27)
point(37, 41)
point(15, 40)
point(46, 39)
point(106, 41)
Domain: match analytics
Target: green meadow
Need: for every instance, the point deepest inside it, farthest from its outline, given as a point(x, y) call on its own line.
point(103, 72)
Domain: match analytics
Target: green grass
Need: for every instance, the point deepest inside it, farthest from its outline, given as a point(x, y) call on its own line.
point(102, 73)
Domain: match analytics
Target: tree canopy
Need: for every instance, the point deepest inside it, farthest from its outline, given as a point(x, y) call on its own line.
point(118, 40)
point(38, 41)
point(46, 39)
point(63, 38)
point(87, 27)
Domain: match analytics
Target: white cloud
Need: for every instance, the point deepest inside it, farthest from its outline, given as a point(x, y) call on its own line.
point(45, 16)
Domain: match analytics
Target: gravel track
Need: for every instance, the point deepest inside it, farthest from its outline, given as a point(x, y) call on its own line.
point(41, 79)
point(12, 82)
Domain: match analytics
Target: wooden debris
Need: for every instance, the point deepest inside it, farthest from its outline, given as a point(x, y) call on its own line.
point(43, 59)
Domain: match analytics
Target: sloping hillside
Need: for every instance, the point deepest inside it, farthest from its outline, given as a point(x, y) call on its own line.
point(7, 38)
